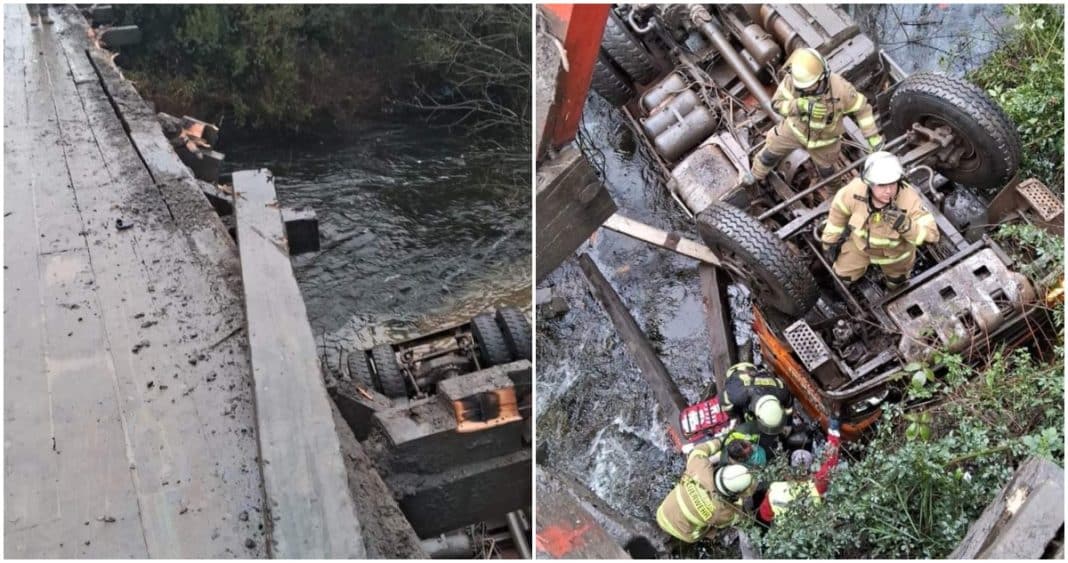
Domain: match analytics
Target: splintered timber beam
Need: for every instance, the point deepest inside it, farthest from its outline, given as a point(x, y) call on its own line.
point(663, 239)
point(718, 321)
point(312, 512)
point(664, 390)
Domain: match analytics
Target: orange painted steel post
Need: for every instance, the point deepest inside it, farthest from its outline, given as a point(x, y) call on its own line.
point(579, 28)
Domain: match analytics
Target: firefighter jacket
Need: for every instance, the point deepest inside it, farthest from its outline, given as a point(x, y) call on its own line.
point(745, 383)
point(871, 232)
point(840, 99)
point(693, 507)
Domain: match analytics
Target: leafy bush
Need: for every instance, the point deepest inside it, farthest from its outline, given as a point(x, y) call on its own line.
point(1026, 77)
point(915, 496)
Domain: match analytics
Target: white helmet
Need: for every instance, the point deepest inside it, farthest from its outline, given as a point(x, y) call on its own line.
point(769, 414)
point(733, 480)
point(882, 168)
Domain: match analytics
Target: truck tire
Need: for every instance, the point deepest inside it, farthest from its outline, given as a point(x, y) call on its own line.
point(390, 376)
point(516, 331)
point(360, 370)
point(992, 144)
point(609, 83)
point(492, 350)
point(626, 51)
point(777, 277)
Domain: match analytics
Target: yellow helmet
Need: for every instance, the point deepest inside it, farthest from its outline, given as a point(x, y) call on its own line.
point(808, 68)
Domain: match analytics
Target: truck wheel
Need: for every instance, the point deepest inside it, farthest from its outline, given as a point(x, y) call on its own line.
point(516, 331)
point(390, 377)
point(777, 277)
point(626, 51)
point(610, 83)
point(989, 139)
point(492, 350)
point(360, 370)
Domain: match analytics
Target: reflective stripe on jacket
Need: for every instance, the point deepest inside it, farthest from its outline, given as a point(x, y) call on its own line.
point(841, 99)
point(692, 507)
point(745, 382)
point(872, 234)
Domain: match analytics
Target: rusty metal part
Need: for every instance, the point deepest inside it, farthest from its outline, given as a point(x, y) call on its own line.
point(778, 356)
point(966, 302)
point(710, 28)
point(1030, 194)
point(759, 44)
point(769, 18)
point(485, 410)
point(703, 177)
point(814, 354)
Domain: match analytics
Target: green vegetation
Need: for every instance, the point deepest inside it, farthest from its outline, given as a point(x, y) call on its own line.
point(294, 67)
point(1026, 77)
point(914, 496)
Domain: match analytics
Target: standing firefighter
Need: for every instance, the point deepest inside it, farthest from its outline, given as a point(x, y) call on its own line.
point(707, 498)
point(813, 100)
point(878, 219)
point(753, 394)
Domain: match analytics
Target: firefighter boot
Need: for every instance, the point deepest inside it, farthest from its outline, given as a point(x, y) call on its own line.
point(894, 283)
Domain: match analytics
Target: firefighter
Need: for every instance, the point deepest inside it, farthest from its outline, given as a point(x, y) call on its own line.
point(880, 219)
point(753, 395)
point(781, 493)
point(813, 100)
point(707, 498)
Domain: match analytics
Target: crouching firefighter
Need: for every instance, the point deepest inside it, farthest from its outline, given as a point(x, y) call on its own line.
point(781, 493)
point(879, 219)
point(707, 498)
point(813, 101)
point(754, 395)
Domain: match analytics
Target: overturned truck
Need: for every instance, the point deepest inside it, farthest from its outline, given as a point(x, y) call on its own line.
point(695, 83)
point(445, 419)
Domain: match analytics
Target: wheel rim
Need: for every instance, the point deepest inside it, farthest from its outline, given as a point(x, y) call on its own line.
point(969, 160)
point(762, 292)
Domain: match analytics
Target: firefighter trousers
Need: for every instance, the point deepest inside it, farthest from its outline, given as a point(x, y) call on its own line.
point(853, 262)
point(780, 142)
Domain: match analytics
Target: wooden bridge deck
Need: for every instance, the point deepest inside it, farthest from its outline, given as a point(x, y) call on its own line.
point(129, 427)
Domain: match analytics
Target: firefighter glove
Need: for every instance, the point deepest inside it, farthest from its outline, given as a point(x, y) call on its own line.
point(898, 219)
point(813, 108)
point(876, 142)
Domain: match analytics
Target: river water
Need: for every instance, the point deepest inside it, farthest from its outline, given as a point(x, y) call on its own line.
point(597, 420)
point(418, 227)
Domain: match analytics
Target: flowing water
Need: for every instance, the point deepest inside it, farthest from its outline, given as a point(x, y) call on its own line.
point(417, 226)
point(596, 418)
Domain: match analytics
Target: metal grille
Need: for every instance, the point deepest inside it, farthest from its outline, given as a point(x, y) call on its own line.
point(807, 345)
point(1041, 199)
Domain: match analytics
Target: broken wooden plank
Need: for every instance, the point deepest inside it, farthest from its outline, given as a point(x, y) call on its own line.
point(1022, 520)
point(660, 238)
point(666, 393)
point(718, 321)
point(311, 511)
point(571, 204)
point(120, 36)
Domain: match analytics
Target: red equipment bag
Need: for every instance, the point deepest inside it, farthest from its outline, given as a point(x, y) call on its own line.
point(703, 420)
